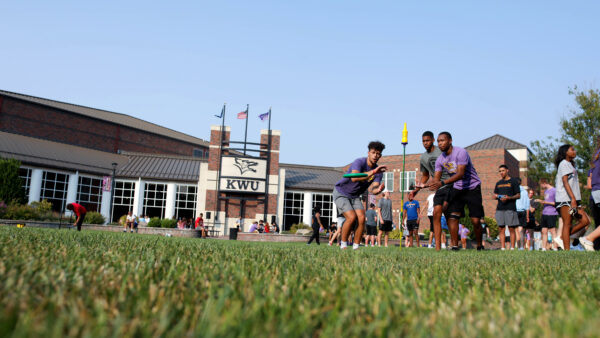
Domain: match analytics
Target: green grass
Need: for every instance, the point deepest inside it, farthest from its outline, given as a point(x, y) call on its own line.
point(64, 283)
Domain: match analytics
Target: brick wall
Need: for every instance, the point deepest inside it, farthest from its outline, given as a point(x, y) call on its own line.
point(30, 119)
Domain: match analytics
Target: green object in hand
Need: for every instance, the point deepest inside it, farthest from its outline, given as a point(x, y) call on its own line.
point(351, 175)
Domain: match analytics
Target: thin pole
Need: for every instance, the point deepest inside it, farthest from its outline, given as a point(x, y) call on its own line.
point(246, 132)
point(266, 211)
point(219, 175)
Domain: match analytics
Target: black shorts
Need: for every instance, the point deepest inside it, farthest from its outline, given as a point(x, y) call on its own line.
point(430, 223)
point(522, 218)
point(412, 225)
point(441, 195)
point(549, 221)
point(371, 230)
point(386, 226)
point(458, 199)
point(531, 224)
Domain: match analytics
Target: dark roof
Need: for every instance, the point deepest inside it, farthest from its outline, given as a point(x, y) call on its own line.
point(496, 142)
point(46, 153)
point(121, 119)
point(161, 167)
point(305, 177)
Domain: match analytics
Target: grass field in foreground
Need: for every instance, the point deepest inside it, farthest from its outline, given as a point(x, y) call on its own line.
point(59, 282)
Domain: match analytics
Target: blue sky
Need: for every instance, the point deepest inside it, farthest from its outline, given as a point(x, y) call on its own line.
point(337, 73)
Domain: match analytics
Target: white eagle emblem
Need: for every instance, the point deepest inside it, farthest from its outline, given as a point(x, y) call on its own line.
point(245, 165)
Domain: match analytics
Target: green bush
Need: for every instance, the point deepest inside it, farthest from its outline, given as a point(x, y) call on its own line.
point(493, 225)
point(21, 211)
point(426, 234)
point(94, 217)
point(154, 222)
point(396, 234)
point(168, 223)
point(296, 227)
point(11, 185)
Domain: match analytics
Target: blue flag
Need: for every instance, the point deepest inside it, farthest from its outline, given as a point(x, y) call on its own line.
point(264, 117)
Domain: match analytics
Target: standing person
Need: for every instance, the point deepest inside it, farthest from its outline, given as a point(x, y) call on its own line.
point(275, 226)
point(371, 223)
point(384, 213)
point(316, 225)
point(568, 195)
point(199, 225)
point(466, 187)
point(80, 212)
point(427, 164)
point(338, 232)
point(549, 213)
point(507, 192)
point(522, 206)
point(464, 232)
point(412, 209)
point(347, 192)
point(429, 208)
point(129, 222)
point(530, 217)
point(593, 184)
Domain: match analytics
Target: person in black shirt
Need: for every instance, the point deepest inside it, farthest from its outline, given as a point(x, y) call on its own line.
point(316, 225)
point(507, 192)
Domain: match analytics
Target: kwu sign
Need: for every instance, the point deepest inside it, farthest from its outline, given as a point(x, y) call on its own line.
point(243, 174)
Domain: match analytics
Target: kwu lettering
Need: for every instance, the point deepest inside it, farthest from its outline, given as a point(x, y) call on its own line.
point(242, 185)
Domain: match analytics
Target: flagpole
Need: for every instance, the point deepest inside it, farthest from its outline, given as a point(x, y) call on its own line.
point(217, 193)
point(404, 143)
point(246, 132)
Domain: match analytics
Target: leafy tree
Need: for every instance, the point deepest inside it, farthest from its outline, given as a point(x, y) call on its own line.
point(11, 185)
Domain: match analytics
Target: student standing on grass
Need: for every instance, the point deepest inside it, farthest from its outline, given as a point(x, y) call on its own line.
point(79, 211)
point(592, 241)
point(463, 231)
point(522, 205)
point(371, 223)
point(384, 213)
point(568, 196)
point(316, 225)
point(549, 213)
point(427, 168)
point(531, 224)
point(466, 187)
point(507, 191)
point(412, 209)
point(347, 192)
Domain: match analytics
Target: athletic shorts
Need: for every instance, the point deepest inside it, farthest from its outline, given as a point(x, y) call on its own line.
point(549, 221)
point(563, 204)
point(371, 230)
point(441, 195)
point(386, 226)
point(522, 218)
point(531, 224)
point(507, 218)
point(430, 223)
point(458, 199)
point(412, 225)
point(345, 204)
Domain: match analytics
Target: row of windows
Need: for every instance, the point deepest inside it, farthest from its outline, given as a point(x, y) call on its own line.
point(293, 206)
point(406, 184)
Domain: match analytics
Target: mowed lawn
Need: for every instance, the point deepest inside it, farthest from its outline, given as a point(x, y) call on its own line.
point(64, 283)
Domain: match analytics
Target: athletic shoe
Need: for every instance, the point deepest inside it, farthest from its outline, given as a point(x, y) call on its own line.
point(579, 233)
point(577, 248)
point(586, 243)
point(455, 248)
point(502, 249)
point(543, 249)
point(355, 246)
point(125, 231)
point(443, 245)
point(521, 249)
point(343, 245)
point(131, 231)
point(329, 244)
point(480, 248)
point(559, 242)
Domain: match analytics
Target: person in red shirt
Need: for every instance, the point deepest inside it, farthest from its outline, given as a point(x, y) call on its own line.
point(200, 224)
point(80, 211)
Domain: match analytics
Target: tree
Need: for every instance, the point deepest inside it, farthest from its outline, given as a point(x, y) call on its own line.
point(11, 185)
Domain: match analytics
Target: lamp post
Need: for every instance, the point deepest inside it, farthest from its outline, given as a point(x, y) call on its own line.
point(112, 190)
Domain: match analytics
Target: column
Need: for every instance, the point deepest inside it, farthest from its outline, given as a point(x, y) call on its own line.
point(307, 212)
point(72, 190)
point(170, 202)
point(105, 205)
point(35, 185)
point(138, 197)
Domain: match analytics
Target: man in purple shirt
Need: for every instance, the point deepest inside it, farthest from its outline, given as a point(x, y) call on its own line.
point(549, 213)
point(347, 191)
point(466, 187)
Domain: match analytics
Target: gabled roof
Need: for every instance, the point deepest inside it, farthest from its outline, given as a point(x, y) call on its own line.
point(306, 177)
point(496, 142)
point(161, 167)
point(44, 153)
point(121, 119)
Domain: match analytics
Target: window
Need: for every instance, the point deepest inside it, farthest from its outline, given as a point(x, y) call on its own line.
point(293, 206)
point(410, 178)
point(326, 203)
point(155, 198)
point(185, 202)
point(122, 199)
point(89, 193)
point(388, 180)
point(54, 189)
point(198, 153)
point(25, 174)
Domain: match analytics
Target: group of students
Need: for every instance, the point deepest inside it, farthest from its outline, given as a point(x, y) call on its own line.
point(449, 173)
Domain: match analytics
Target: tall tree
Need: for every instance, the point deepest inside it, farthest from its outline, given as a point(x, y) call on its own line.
point(11, 185)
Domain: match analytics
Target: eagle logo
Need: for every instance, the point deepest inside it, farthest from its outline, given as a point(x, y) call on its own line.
point(245, 165)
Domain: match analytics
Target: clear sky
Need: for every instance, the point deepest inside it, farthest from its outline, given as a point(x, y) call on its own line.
point(337, 73)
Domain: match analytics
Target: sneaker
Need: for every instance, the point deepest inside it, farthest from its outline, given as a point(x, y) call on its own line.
point(579, 233)
point(131, 231)
point(521, 249)
point(543, 249)
point(586, 243)
point(355, 246)
point(559, 242)
point(443, 245)
point(502, 249)
point(480, 248)
point(125, 231)
point(343, 245)
point(455, 248)
point(329, 243)
point(577, 248)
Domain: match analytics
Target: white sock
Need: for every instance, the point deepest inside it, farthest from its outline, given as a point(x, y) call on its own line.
point(355, 246)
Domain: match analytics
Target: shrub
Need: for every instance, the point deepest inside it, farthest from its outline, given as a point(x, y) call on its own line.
point(94, 217)
point(11, 185)
point(154, 222)
point(426, 234)
point(168, 223)
point(20, 211)
point(43, 209)
point(296, 227)
point(396, 234)
point(493, 225)
point(489, 221)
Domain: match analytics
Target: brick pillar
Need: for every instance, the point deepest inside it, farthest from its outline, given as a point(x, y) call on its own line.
point(210, 179)
point(273, 188)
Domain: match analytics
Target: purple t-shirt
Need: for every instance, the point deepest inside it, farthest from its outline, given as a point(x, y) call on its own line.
point(450, 163)
point(549, 196)
point(354, 189)
point(596, 173)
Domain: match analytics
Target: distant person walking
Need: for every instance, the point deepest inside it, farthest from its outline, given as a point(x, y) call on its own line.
point(384, 213)
point(412, 209)
point(79, 211)
point(316, 225)
point(371, 224)
point(522, 206)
